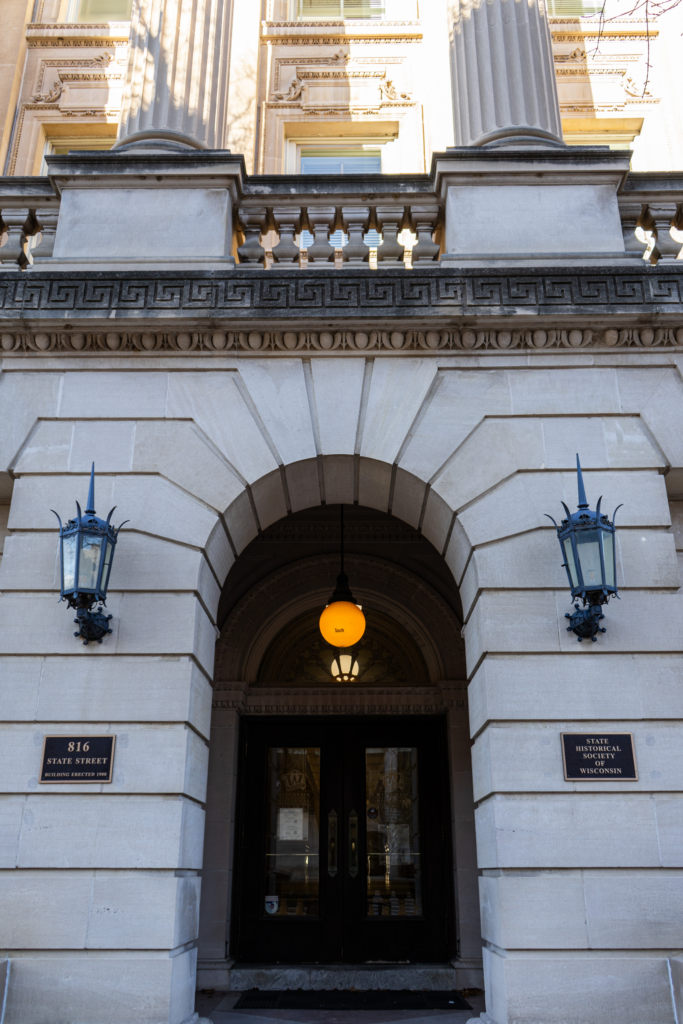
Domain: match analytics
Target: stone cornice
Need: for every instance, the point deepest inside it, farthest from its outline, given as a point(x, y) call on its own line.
point(239, 302)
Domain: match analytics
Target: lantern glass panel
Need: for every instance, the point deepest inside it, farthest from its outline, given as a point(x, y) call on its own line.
point(69, 561)
point(569, 555)
point(588, 544)
point(608, 552)
point(107, 565)
point(89, 563)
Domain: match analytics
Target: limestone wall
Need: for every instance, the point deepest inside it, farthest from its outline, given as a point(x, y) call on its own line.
point(580, 882)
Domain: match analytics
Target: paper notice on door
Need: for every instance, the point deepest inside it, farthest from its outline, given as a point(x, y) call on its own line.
point(292, 823)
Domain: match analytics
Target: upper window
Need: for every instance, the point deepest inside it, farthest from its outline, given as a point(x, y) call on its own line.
point(573, 8)
point(62, 145)
point(340, 160)
point(333, 10)
point(99, 10)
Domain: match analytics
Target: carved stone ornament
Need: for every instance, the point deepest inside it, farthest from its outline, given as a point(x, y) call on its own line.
point(51, 96)
point(446, 695)
point(352, 342)
point(217, 301)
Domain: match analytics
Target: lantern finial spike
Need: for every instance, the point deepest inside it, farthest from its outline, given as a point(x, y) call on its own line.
point(90, 510)
point(582, 490)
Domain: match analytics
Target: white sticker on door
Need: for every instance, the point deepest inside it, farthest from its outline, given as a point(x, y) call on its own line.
point(292, 823)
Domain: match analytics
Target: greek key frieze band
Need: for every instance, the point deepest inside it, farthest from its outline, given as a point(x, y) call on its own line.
point(284, 295)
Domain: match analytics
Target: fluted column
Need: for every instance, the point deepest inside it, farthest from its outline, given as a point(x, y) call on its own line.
point(503, 73)
point(177, 80)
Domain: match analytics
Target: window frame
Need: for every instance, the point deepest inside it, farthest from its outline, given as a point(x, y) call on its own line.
point(294, 145)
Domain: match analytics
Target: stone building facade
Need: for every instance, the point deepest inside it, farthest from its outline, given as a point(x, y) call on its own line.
point(246, 338)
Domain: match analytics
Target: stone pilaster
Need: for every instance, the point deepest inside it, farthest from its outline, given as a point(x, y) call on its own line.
point(503, 74)
point(177, 81)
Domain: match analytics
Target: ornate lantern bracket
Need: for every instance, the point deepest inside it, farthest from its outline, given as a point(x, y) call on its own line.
point(587, 544)
point(86, 554)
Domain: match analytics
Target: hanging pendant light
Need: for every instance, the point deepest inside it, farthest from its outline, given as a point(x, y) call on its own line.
point(342, 623)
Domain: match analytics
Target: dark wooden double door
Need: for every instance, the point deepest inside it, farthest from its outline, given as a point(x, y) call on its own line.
point(343, 841)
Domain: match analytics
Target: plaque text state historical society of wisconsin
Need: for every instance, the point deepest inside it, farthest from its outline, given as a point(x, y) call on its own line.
point(77, 759)
point(593, 758)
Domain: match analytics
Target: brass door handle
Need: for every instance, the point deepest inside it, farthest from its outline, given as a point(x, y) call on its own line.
point(332, 843)
point(353, 844)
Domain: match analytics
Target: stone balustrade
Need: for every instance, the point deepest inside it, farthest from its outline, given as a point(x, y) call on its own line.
point(29, 209)
point(345, 225)
point(388, 233)
point(651, 210)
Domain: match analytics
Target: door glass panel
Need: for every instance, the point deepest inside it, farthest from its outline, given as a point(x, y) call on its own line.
point(394, 884)
point(292, 844)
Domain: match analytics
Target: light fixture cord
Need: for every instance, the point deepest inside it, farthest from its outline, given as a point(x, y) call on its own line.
point(342, 538)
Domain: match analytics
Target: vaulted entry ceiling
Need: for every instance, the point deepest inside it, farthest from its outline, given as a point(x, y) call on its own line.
point(278, 586)
point(386, 653)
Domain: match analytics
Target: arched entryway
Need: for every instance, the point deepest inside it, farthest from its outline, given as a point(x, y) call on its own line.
point(303, 767)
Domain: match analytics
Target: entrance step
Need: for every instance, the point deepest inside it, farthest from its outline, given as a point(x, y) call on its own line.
point(363, 977)
point(344, 1000)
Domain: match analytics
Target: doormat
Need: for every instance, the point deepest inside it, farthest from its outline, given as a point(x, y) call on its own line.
point(344, 1000)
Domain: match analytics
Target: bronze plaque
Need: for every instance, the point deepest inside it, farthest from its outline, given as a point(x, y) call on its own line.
point(591, 757)
point(77, 759)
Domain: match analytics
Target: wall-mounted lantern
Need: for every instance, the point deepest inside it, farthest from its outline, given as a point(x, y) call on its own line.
point(86, 553)
point(587, 543)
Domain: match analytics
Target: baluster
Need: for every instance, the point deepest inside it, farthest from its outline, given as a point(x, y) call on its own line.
point(390, 222)
point(631, 215)
point(251, 253)
point(356, 254)
point(288, 224)
point(321, 225)
point(18, 224)
point(47, 218)
point(666, 248)
point(422, 222)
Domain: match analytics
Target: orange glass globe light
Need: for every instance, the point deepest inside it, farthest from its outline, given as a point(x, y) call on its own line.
point(342, 624)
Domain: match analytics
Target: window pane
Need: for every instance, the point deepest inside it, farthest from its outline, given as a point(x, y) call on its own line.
point(363, 8)
point(573, 8)
point(89, 561)
point(104, 10)
point(569, 555)
point(292, 844)
point(394, 885)
point(608, 552)
point(588, 545)
point(346, 160)
point(309, 9)
point(320, 10)
point(69, 556)
point(60, 148)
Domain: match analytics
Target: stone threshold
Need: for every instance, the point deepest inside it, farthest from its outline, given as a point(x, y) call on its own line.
point(363, 977)
point(227, 976)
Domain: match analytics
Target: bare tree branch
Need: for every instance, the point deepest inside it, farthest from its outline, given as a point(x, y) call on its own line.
point(650, 10)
